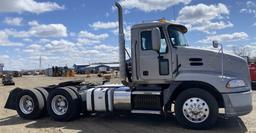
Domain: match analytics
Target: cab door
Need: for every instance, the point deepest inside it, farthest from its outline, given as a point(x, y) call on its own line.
point(154, 65)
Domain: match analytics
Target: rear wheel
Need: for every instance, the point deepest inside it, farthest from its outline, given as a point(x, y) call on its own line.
point(196, 108)
point(62, 104)
point(30, 104)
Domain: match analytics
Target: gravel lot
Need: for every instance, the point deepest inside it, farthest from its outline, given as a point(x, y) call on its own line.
point(106, 123)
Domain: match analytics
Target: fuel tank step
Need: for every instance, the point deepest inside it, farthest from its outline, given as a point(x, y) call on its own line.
point(146, 112)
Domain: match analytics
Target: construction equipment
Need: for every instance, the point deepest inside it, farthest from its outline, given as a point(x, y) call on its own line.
point(162, 72)
point(17, 74)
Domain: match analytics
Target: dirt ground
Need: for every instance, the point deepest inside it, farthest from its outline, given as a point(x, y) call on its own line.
point(106, 123)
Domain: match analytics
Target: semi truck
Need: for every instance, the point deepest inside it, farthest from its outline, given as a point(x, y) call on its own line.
point(162, 76)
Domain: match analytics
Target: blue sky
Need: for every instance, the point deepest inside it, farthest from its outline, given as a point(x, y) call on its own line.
point(65, 32)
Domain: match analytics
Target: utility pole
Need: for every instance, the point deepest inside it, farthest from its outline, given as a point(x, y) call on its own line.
point(40, 63)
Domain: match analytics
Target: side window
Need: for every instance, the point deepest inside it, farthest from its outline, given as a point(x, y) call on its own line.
point(146, 40)
point(163, 45)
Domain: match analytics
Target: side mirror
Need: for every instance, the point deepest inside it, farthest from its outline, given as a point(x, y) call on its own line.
point(215, 44)
point(156, 37)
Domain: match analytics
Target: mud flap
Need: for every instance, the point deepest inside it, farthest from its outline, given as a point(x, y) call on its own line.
point(12, 99)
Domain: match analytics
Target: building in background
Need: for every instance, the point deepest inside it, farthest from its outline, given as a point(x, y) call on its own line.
point(80, 69)
point(113, 66)
point(96, 68)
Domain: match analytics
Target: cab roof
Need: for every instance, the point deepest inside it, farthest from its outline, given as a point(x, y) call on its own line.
point(182, 28)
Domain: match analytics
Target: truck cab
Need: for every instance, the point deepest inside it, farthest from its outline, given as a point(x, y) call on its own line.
point(163, 62)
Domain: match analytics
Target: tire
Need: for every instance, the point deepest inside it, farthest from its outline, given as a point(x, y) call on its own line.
point(81, 102)
point(71, 106)
point(74, 89)
point(206, 115)
point(30, 104)
point(45, 95)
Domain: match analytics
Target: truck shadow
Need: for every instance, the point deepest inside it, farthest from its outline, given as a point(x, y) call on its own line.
point(128, 123)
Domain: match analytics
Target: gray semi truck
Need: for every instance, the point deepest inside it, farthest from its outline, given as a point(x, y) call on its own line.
point(163, 76)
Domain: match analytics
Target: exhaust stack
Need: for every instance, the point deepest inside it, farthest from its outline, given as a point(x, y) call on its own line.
point(122, 63)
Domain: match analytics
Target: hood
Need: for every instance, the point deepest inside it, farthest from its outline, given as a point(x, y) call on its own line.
point(209, 61)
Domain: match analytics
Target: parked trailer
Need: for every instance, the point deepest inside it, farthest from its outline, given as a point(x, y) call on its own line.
point(162, 74)
point(252, 68)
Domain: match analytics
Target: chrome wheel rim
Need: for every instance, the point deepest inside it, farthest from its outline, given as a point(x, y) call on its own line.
point(195, 110)
point(59, 105)
point(26, 104)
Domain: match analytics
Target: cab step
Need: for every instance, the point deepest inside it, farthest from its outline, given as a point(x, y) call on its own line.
point(157, 112)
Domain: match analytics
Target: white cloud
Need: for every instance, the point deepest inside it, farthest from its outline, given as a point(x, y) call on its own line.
point(91, 36)
point(33, 23)
point(4, 40)
point(203, 17)
point(50, 30)
point(61, 52)
point(104, 25)
point(127, 32)
point(151, 5)
point(33, 48)
point(206, 26)
point(27, 40)
point(251, 49)
point(40, 30)
point(102, 53)
point(32, 6)
point(250, 8)
point(59, 46)
point(225, 37)
point(13, 21)
point(5, 56)
point(82, 41)
point(85, 37)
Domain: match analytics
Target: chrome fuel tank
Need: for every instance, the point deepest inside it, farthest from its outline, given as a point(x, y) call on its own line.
point(122, 98)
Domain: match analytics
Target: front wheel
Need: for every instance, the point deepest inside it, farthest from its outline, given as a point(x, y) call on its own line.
point(196, 108)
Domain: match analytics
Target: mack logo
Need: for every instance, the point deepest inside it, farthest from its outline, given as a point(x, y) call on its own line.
point(100, 97)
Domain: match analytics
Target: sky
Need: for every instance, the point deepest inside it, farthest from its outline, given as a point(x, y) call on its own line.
point(67, 32)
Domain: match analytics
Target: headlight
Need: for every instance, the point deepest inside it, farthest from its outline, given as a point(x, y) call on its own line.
point(235, 83)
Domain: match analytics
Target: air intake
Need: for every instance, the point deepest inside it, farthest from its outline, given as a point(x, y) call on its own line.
point(196, 61)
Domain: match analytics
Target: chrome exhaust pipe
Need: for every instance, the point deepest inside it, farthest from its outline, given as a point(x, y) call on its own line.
point(122, 63)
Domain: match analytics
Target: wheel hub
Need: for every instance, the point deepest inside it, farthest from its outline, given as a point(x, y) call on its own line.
point(26, 104)
point(195, 110)
point(59, 105)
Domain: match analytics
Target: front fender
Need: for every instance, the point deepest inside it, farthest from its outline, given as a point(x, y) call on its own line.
point(215, 80)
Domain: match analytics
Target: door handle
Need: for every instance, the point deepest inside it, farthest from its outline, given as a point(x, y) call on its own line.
point(145, 73)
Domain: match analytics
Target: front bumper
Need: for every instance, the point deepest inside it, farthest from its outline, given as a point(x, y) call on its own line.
point(237, 104)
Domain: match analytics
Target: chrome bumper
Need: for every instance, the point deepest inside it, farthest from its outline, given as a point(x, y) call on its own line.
point(237, 104)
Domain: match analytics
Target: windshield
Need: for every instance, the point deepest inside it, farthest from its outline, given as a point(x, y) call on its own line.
point(177, 37)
